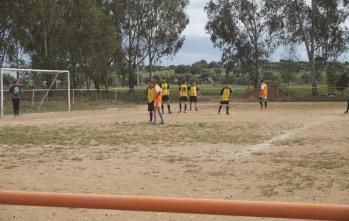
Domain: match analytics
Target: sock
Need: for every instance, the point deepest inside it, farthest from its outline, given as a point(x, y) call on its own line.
point(162, 108)
point(180, 106)
point(190, 106)
point(169, 108)
point(151, 115)
point(154, 122)
point(161, 118)
point(348, 107)
point(266, 105)
point(227, 107)
point(220, 108)
point(185, 107)
point(196, 107)
point(261, 103)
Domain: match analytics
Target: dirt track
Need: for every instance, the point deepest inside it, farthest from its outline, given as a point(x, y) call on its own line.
point(293, 152)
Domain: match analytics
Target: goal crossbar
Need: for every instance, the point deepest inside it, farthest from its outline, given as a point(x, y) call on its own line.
point(7, 70)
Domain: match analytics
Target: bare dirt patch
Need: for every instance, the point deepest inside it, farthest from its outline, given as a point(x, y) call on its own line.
point(293, 152)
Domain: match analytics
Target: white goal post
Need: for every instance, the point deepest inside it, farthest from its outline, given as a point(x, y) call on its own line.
point(9, 70)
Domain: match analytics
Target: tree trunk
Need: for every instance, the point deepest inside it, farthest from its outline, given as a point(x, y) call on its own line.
point(131, 77)
point(150, 67)
point(314, 90)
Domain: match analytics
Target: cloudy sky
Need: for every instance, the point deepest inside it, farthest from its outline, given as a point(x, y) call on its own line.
point(199, 46)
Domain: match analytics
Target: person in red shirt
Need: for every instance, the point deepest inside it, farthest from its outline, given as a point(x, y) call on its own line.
point(263, 94)
point(157, 96)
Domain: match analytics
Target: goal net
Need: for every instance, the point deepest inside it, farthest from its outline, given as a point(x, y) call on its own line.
point(41, 90)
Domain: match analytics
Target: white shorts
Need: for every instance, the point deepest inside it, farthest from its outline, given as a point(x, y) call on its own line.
point(263, 98)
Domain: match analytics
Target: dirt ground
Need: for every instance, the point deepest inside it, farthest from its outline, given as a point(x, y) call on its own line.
point(295, 152)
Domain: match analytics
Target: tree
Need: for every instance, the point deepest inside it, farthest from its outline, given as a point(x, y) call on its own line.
point(182, 69)
point(289, 66)
point(317, 24)
point(131, 32)
point(342, 82)
point(165, 22)
point(333, 72)
point(198, 66)
point(243, 33)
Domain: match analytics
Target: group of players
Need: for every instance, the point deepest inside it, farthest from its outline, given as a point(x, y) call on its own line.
point(159, 94)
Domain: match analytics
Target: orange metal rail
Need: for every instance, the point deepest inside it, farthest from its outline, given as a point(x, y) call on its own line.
point(176, 205)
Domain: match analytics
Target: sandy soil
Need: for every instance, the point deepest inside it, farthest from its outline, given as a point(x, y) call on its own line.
point(292, 152)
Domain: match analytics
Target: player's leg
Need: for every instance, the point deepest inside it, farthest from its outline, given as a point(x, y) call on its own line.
point(185, 106)
point(154, 116)
point(162, 108)
point(17, 107)
point(180, 105)
point(227, 109)
point(151, 111)
point(195, 101)
point(261, 102)
point(14, 106)
point(347, 107)
point(190, 104)
point(169, 106)
point(161, 118)
point(265, 104)
point(220, 108)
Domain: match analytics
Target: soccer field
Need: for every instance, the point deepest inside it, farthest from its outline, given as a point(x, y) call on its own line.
point(294, 152)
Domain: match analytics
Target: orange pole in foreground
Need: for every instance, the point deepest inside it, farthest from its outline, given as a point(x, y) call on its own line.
point(175, 205)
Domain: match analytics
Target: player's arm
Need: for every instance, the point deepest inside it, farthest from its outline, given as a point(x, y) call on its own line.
point(11, 91)
point(198, 90)
point(222, 91)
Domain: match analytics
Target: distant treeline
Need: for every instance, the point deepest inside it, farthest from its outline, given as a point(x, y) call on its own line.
point(104, 42)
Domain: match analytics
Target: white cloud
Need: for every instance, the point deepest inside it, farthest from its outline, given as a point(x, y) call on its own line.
point(198, 19)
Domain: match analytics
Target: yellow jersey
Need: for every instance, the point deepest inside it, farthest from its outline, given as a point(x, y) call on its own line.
point(149, 94)
point(193, 91)
point(225, 94)
point(183, 90)
point(165, 89)
point(264, 90)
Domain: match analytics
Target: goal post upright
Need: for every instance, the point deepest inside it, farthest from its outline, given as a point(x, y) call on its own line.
point(68, 76)
point(2, 92)
point(4, 70)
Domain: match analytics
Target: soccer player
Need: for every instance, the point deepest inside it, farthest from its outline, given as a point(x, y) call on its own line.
point(150, 100)
point(15, 92)
point(183, 96)
point(165, 95)
point(157, 102)
point(347, 108)
point(193, 94)
point(225, 95)
point(263, 94)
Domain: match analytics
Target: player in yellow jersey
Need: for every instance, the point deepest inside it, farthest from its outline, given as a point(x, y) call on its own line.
point(263, 94)
point(150, 100)
point(183, 96)
point(157, 101)
point(193, 95)
point(165, 95)
point(225, 95)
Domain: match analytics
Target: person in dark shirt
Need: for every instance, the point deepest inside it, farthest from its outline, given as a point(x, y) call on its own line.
point(15, 92)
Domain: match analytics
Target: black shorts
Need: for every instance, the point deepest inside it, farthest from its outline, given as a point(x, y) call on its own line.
point(151, 106)
point(165, 98)
point(194, 99)
point(184, 99)
point(224, 102)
